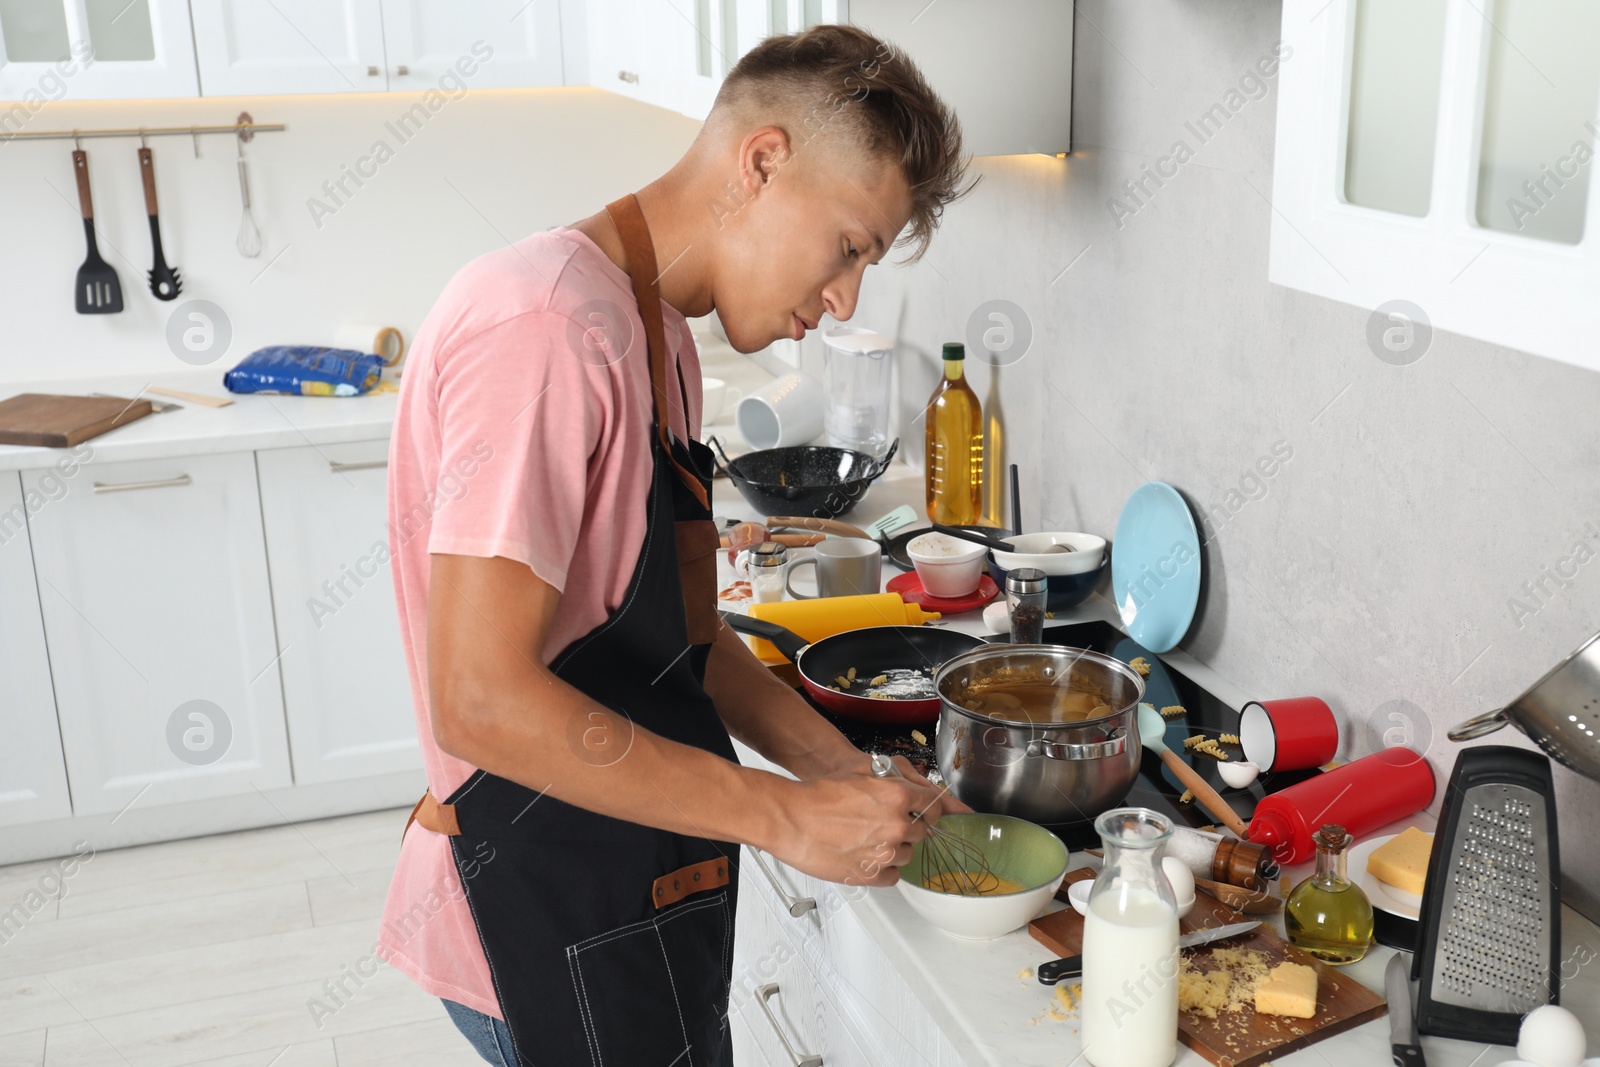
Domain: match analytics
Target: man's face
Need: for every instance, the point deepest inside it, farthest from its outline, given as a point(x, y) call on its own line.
point(799, 247)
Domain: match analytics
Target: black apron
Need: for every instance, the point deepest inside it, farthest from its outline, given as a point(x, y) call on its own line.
point(611, 943)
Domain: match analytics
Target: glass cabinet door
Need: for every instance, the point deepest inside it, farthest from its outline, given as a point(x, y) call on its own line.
point(94, 50)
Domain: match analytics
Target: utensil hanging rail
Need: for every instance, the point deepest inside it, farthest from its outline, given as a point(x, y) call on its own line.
point(242, 129)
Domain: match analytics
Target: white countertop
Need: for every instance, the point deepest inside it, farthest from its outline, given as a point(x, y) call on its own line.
point(993, 1017)
point(253, 421)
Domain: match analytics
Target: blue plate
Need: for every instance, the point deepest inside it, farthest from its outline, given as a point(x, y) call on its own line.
point(1155, 567)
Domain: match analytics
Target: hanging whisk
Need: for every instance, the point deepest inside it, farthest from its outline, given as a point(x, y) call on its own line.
point(950, 863)
point(249, 241)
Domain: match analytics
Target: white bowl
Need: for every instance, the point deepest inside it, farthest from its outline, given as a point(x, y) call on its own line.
point(947, 566)
point(1086, 554)
point(1078, 896)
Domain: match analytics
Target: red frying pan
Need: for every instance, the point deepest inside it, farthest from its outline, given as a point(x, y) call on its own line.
point(901, 660)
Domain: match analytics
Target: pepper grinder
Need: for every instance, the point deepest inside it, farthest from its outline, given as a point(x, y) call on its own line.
point(1025, 596)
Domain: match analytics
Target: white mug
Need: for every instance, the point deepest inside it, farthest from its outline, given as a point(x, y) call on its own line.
point(846, 566)
point(714, 396)
point(786, 411)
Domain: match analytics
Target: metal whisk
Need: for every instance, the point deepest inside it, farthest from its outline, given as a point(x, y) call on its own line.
point(949, 862)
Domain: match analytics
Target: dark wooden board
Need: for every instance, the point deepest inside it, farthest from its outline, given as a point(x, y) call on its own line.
point(1243, 1038)
point(53, 420)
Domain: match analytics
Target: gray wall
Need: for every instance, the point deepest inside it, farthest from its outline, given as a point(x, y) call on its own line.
point(1376, 566)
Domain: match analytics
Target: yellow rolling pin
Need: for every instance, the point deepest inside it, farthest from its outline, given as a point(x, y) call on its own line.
point(826, 616)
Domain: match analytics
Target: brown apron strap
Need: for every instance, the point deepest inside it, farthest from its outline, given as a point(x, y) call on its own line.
point(440, 818)
point(707, 874)
point(641, 253)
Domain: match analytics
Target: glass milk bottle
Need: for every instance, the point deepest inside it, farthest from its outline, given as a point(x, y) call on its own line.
point(1129, 1006)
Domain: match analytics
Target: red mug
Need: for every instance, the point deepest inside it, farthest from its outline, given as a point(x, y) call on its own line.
point(1292, 734)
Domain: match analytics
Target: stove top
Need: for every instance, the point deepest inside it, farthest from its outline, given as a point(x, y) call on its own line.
point(1155, 788)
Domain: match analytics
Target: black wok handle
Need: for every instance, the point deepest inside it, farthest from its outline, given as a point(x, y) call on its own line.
point(723, 464)
point(975, 537)
point(883, 464)
point(786, 641)
point(1065, 967)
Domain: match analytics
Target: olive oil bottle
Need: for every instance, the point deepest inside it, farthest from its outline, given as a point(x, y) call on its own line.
point(1327, 914)
point(954, 468)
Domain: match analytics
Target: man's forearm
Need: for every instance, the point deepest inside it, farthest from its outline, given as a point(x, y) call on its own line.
point(542, 733)
point(764, 713)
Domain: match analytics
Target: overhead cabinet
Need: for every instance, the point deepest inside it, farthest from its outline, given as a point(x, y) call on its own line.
point(251, 47)
point(94, 50)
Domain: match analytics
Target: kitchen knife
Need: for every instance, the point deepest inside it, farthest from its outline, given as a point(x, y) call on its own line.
point(1402, 1024)
point(1072, 966)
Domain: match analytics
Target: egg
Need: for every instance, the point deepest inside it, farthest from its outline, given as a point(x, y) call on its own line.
point(1182, 879)
point(997, 617)
point(1238, 773)
point(1551, 1036)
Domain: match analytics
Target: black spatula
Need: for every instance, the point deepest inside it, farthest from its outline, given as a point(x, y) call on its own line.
point(98, 291)
point(164, 280)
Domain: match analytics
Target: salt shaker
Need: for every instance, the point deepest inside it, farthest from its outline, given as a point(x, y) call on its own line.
point(767, 562)
point(1025, 596)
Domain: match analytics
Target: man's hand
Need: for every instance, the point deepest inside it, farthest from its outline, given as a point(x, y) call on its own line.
point(853, 828)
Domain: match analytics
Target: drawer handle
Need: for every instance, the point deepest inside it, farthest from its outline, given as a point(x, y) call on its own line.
point(797, 906)
point(367, 465)
point(798, 1059)
point(117, 487)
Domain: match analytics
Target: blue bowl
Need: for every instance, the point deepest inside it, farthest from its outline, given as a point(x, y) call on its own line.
point(1062, 591)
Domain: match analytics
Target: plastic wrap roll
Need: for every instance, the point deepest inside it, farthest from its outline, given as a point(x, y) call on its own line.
point(385, 341)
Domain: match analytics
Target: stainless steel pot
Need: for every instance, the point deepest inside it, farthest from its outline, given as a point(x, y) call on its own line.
point(1560, 712)
point(1045, 772)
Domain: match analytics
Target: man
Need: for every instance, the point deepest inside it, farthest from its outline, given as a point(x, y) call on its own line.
point(569, 887)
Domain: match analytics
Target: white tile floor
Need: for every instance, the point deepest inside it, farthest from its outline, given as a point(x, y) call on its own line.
point(205, 953)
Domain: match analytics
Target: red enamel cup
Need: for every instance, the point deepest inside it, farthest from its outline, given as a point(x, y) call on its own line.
point(1292, 734)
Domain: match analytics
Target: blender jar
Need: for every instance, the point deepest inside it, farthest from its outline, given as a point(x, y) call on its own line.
point(858, 389)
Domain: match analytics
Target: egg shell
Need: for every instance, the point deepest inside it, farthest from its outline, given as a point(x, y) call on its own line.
point(997, 617)
point(1551, 1036)
point(1238, 773)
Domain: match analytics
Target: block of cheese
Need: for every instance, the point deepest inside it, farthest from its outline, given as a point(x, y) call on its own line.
point(1288, 989)
point(1402, 861)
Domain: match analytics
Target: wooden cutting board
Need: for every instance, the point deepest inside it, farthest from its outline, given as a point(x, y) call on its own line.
point(1242, 1038)
point(53, 420)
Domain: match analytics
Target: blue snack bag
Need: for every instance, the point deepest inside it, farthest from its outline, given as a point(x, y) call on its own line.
point(305, 370)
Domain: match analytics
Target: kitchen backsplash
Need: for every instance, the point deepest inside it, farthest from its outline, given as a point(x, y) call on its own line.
point(1427, 542)
point(366, 211)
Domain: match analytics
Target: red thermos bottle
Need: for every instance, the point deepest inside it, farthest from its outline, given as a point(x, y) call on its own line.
point(1372, 791)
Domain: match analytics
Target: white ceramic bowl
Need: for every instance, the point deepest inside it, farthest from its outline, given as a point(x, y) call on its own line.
point(1078, 896)
point(947, 566)
point(1022, 851)
point(1086, 554)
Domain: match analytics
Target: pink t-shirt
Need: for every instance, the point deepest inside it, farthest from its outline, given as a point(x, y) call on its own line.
point(523, 431)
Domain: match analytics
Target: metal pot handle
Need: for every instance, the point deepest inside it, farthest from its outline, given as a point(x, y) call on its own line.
point(1115, 745)
point(1478, 725)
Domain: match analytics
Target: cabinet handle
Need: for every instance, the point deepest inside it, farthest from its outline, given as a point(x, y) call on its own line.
point(372, 72)
point(368, 465)
point(797, 906)
point(798, 1059)
point(628, 76)
point(117, 487)
point(402, 70)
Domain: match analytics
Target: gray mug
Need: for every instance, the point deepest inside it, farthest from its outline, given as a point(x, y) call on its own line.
point(845, 566)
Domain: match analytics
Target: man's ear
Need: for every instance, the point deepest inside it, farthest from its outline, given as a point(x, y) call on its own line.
point(762, 155)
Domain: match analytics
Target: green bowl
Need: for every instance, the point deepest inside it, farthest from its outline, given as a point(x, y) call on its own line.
point(1016, 849)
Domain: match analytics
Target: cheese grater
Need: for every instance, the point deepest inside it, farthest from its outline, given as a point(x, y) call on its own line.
point(1490, 925)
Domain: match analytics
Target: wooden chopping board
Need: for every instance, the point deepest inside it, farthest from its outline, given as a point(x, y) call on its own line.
point(53, 420)
point(1243, 1038)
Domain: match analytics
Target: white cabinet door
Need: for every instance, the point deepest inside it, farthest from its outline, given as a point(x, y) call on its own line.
point(33, 780)
point(643, 49)
point(345, 686)
point(95, 50)
point(489, 44)
point(254, 47)
point(153, 580)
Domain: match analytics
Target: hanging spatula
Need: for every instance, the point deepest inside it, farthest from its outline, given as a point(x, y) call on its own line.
point(164, 280)
point(98, 291)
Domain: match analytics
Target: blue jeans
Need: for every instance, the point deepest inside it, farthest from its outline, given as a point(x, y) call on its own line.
point(492, 1038)
point(488, 1035)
